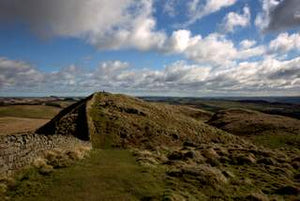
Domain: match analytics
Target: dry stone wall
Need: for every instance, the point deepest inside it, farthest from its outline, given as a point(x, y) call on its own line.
point(65, 131)
point(18, 151)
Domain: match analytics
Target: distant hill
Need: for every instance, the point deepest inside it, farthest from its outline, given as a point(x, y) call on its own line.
point(273, 129)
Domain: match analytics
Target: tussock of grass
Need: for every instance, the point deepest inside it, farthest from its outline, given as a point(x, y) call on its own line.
point(59, 158)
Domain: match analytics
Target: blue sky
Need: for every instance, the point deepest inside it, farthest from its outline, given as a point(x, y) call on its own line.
point(150, 47)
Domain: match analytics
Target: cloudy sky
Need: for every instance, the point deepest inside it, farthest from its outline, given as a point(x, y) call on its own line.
point(150, 47)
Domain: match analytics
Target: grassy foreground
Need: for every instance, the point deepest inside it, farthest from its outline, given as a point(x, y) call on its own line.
point(104, 175)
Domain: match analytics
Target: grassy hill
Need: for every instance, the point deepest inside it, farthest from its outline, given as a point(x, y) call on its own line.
point(272, 130)
point(153, 151)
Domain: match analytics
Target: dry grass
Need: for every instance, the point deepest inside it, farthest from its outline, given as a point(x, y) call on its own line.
point(59, 158)
point(193, 112)
point(10, 125)
point(124, 121)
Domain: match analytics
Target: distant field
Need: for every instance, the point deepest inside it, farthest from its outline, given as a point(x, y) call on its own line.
point(214, 105)
point(22, 118)
point(29, 111)
point(9, 125)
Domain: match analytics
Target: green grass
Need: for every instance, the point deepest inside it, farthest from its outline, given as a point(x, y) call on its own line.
point(277, 140)
point(29, 111)
point(104, 175)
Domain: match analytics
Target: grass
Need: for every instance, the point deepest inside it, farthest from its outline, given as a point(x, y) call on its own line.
point(9, 125)
point(29, 111)
point(123, 121)
point(290, 110)
point(273, 131)
point(276, 140)
point(110, 174)
point(206, 163)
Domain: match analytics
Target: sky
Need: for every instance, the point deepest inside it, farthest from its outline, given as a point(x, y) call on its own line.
point(150, 47)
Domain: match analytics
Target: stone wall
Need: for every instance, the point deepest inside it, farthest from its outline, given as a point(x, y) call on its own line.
point(18, 151)
point(70, 121)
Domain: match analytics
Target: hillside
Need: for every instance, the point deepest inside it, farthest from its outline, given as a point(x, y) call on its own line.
point(123, 121)
point(154, 151)
point(273, 130)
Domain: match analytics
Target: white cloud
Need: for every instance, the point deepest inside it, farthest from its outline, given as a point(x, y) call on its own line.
point(124, 24)
point(246, 44)
point(108, 24)
point(198, 9)
point(278, 15)
point(285, 43)
point(214, 49)
point(268, 74)
point(233, 20)
point(18, 73)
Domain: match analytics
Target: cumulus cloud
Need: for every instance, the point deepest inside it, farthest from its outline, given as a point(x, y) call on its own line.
point(285, 43)
point(108, 24)
point(269, 74)
point(233, 20)
point(119, 24)
point(278, 15)
point(18, 73)
point(213, 49)
point(197, 9)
